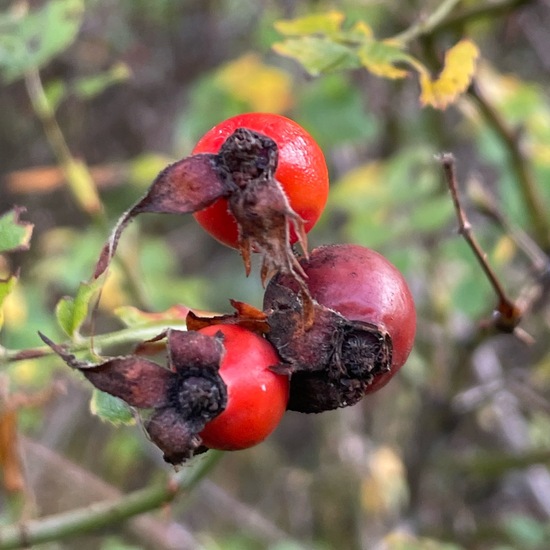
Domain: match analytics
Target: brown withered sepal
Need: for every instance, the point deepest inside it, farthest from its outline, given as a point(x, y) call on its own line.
point(331, 360)
point(243, 172)
point(183, 397)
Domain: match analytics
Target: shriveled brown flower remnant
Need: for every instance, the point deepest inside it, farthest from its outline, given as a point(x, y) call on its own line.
point(243, 172)
point(332, 360)
point(183, 397)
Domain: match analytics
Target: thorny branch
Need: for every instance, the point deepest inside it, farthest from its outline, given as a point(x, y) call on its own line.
point(507, 314)
point(103, 514)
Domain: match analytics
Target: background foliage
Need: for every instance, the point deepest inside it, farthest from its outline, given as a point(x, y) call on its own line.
point(99, 95)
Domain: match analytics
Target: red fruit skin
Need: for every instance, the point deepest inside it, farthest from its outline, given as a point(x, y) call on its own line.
point(363, 285)
point(257, 397)
point(302, 171)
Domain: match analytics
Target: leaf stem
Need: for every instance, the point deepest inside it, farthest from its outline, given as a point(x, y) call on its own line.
point(103, 514)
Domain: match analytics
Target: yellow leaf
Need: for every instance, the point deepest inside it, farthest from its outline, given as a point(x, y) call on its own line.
point(456, 76)
point(264, 88)
point(320, 23)
point(362, 31)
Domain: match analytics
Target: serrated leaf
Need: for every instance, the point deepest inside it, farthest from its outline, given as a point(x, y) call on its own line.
point(6, 286)
point(456, 76)
point(31, 41)
point(111, 409)
point(321, 23)
point(380, 58)
point(318, 55)
point(14, 234)
point(72, 312)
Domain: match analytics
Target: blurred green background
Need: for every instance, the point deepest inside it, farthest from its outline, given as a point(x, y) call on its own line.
point(453, 453)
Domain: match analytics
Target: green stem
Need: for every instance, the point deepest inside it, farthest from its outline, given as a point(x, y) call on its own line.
point(428, 24)
point(124, 336)
point(104, 514)
point(532, 199)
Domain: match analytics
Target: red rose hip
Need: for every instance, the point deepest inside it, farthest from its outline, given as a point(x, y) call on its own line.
point(361, 333)
point(301, 171)
point(256, 396)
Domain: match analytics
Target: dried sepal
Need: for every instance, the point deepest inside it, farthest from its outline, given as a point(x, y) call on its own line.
point(138, 382)
point(184, 397)
point(188, 349)
point(331, 360)
point(245, 316)
point(260, 205)
point(183, 187)
point(178, 440)
point(244, 173)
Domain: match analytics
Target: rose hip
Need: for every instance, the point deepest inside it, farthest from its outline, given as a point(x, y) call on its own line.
point(350, 336)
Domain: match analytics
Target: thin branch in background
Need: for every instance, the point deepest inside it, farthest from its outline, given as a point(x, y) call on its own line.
point(540, 262)
point(487, 10)
point(534, 204)
point(77, 173)
point(427, 24)
point(104, 514)
point(507, 314)
point(79, 487)
point(486, 204)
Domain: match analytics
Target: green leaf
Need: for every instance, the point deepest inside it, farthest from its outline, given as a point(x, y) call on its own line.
point(31, 41)
point(14, 234)
point(380, 58)
point(72, 312)
point(321, 23)
point(318, 55)
point(111, 409)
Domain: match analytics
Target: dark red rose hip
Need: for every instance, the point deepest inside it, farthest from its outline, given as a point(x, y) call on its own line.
point(357, 336)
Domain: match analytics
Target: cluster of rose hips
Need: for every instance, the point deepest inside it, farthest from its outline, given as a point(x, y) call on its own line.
point(337, 322)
